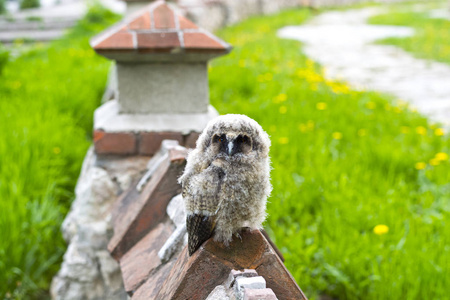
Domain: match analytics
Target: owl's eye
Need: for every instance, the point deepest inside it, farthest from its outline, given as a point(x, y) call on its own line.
point(246, 139)
point(219, 138)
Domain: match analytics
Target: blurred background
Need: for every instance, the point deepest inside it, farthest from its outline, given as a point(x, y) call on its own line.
point(354, 94)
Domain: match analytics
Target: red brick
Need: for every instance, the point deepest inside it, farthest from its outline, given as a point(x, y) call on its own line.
point(120, 143)
point(140, 261)
point(199, 40)
point(191, 139)
point(119, 40)
point(196, 276)
point(136, 213)
point(161, 40)
point(193, 277)
point(152, 286)
point(164, 17)
point(259, 294)
point(141, 22)
point(185, 23)
point(150, 142)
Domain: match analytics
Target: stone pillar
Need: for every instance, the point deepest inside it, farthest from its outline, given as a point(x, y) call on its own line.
point(162, 81)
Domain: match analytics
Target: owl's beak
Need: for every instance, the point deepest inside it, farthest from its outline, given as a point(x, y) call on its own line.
point(230, 148)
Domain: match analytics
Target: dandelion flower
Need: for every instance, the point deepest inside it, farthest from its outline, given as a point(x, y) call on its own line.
point(280, 98)
point(302, 127)
point(321, 106)
point(434, 162)
point(380, 229)
point(421, 130)
point(337, 135)
point(439, 132)
point(283, 109)
point(283, 140)
point(420, 165)
point(441, 156)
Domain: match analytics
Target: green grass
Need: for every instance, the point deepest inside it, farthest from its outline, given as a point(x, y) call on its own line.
point(48, 96)
point(343, 163)
point(432, 36)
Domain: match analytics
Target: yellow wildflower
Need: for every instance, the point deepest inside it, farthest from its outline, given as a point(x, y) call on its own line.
point(397, 110)
point(439, 132)
point(362, 132)
point(380, 229)
point(441, 156)
point(434, 161)
point(280, 98)
point(283, 140)
point(241, 63)
point(283, 109)
point(337, 135)
point(268, 76)
point(302, 127)
point(321, 106)
point(57, 150)
point(421, 130)
point(420, 165)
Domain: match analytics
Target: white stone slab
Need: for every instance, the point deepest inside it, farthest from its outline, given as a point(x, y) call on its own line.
point(108, 118)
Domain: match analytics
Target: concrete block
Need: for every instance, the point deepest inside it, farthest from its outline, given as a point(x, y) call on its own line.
point(163, 88)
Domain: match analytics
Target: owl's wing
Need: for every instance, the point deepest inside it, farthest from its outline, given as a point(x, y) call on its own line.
point(200, 228)
point(201, 194)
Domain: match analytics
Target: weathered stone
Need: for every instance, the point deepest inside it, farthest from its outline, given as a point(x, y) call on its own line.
point(138, 212)
point(139, 262)
point(108, 118)
point(196, 276)
point(150, 142)
point(257, 282)
point(158, 88)
point(151, 287)
point(219, 293)
point(259, 294)
point(176, 211)
point(88, 271)
point(236, 273)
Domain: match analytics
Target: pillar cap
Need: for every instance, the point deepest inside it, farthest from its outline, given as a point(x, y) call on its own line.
point(158, 33)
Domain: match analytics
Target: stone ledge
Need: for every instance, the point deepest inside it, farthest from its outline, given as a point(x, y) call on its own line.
point(196, 276)
point(137, 212)
point(108, 119)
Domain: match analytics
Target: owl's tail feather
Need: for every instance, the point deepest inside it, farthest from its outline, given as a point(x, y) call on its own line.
point(200, 228)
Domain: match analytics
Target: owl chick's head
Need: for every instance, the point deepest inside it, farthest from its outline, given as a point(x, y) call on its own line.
point(233, 136)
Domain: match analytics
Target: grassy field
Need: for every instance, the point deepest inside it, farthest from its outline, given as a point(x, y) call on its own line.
point(361, 194)
point(361, 197)
point(432, 36)
point(48, 96)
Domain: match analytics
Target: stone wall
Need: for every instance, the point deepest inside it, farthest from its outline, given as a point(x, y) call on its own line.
point(215, 14)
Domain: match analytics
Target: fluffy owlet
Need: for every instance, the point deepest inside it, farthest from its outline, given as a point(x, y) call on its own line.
point(227, 180)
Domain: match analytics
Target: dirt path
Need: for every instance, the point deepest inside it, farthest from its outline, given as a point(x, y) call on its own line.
point(343, 43)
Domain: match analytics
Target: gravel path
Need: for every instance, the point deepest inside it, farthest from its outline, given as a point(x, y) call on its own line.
point(343, 43)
